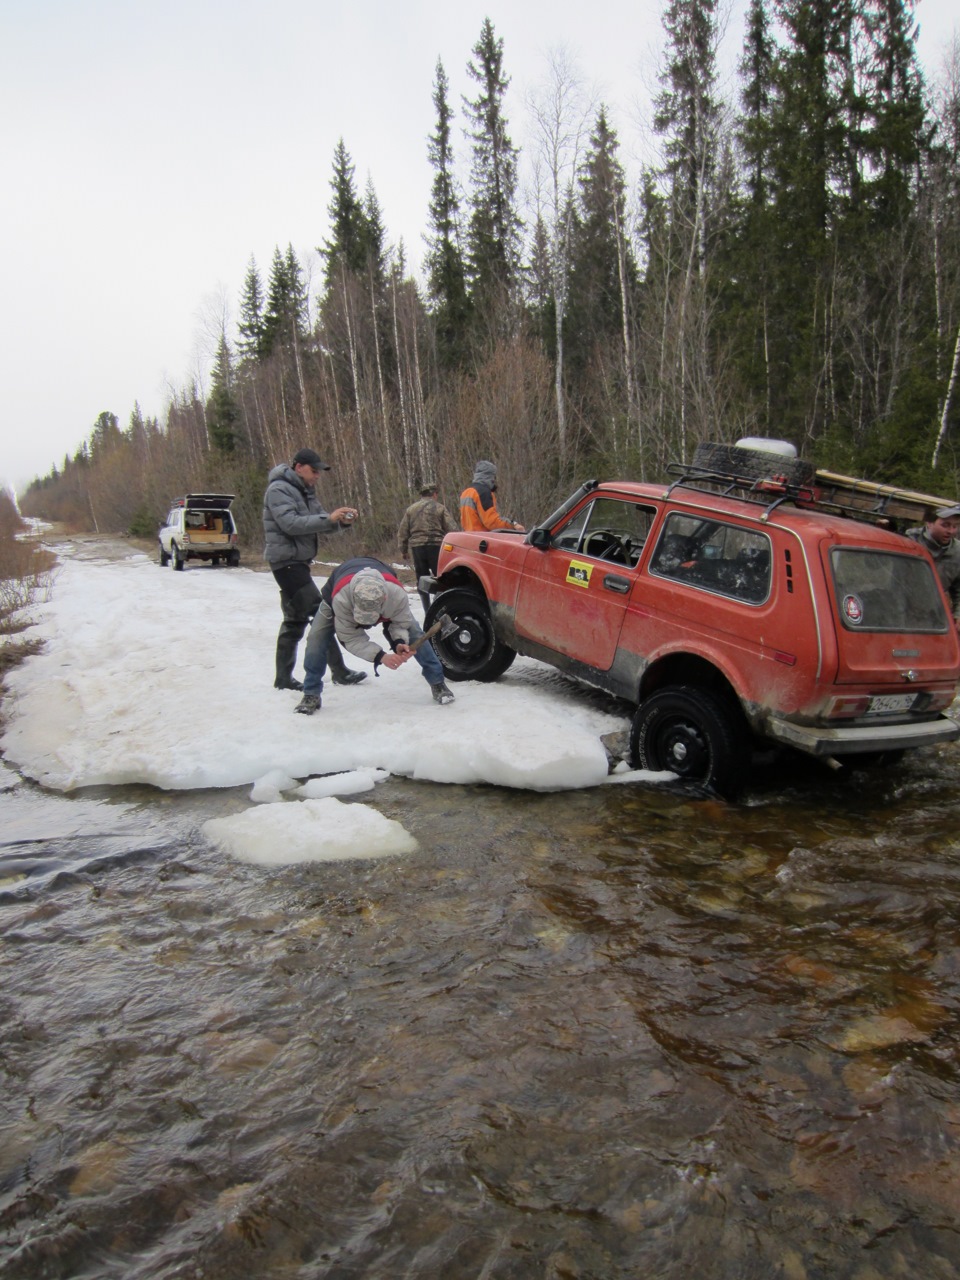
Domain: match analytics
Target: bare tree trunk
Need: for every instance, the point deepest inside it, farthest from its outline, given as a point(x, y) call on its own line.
point(384, 415)
point(560, 112)
point(354, 371)
point(337, 414)
point(404, 420)
point(947, 401)
point(300, 382)
point(768, 389)
point(420, 416)
point(625, 332)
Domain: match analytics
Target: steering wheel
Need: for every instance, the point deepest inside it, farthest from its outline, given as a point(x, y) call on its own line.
point(602, 544)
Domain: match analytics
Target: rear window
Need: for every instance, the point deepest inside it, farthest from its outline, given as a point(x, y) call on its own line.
point(881, 591)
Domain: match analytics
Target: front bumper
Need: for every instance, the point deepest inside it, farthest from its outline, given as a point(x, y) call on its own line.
point(815, 740)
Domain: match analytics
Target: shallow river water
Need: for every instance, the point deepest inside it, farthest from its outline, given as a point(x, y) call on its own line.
point(623, 1032)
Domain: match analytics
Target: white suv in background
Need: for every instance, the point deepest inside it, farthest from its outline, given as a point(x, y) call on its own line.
point(199, 527)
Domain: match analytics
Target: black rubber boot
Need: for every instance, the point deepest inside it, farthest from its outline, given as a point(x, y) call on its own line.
point(287, 642)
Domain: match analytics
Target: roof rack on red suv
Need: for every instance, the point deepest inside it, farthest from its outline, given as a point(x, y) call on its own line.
point(763, 474)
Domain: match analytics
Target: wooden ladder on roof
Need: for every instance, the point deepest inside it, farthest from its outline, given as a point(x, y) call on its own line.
point(849, 496)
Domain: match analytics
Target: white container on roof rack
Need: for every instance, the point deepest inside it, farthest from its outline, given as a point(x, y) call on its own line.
point(765, 445)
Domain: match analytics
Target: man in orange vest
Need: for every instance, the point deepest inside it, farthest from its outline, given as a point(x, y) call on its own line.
point(478, 503)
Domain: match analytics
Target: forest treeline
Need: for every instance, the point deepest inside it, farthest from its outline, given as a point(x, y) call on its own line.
point(787, 265)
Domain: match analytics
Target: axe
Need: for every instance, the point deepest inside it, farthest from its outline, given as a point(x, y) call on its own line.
point(444, 626)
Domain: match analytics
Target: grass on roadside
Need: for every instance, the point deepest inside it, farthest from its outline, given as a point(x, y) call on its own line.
point(25, 576)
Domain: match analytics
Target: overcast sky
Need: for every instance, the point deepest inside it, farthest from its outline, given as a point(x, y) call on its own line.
point(148, 150)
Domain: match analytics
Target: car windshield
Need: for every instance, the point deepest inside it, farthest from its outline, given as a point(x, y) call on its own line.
point(881, 591)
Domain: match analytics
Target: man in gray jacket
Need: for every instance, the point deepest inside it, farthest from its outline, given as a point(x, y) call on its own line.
point(293, 519)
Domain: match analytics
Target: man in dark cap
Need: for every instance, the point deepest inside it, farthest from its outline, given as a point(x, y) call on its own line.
point(293, 519)
point(938, 537)
point(422, 531)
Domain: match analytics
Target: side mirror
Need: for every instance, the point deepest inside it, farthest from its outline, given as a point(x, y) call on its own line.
point(540, 538)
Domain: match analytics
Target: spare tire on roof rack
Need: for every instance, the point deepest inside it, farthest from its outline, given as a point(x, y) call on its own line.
point(748, 462)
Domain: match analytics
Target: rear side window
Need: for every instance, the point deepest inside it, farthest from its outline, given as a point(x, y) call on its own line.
point(723, 558)
point(881, 591)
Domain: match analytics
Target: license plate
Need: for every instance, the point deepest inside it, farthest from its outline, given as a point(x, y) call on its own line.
point(884, 703)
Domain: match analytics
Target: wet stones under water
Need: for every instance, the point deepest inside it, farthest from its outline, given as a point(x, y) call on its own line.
point(609, 1033)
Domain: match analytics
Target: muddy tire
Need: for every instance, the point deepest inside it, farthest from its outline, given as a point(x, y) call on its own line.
point(473, 651)
point(176, 557)
point(162, 558)
point(753, 464)
point(695, 733)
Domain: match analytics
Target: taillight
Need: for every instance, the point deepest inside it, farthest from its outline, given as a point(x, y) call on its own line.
point(939, 701)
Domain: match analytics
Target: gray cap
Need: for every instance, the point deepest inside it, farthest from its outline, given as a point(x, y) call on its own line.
point(948, 513)
point(369, 594)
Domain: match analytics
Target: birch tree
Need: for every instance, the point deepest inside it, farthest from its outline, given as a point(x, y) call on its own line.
point(560, 110)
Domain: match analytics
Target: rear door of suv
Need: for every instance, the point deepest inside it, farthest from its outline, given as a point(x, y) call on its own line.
point(893, 626)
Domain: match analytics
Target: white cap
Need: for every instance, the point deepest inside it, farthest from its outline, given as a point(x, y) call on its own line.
point(369, 594)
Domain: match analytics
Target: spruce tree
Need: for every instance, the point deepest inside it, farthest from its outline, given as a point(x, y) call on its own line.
point(810, 175)
point(251, 325)
point(494, 230)
point(348, 247)
point(285, 312)
point(375, 237)
point(749, 264)
point(446, 277)
point(693, 182)
point(687, 116)
point(602, 259)
point(222, 411)
point(105, 437)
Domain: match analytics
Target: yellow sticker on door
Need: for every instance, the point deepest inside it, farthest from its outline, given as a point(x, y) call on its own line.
point(579, 573)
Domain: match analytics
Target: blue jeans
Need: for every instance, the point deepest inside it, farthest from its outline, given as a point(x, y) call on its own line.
point(320, 637)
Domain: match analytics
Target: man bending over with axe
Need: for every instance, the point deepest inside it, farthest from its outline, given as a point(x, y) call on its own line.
point(361, 593)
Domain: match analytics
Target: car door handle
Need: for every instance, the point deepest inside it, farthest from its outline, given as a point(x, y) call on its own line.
point(613, 582)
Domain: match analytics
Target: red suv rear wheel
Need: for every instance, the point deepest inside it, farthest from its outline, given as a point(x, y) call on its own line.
point(695, 733)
